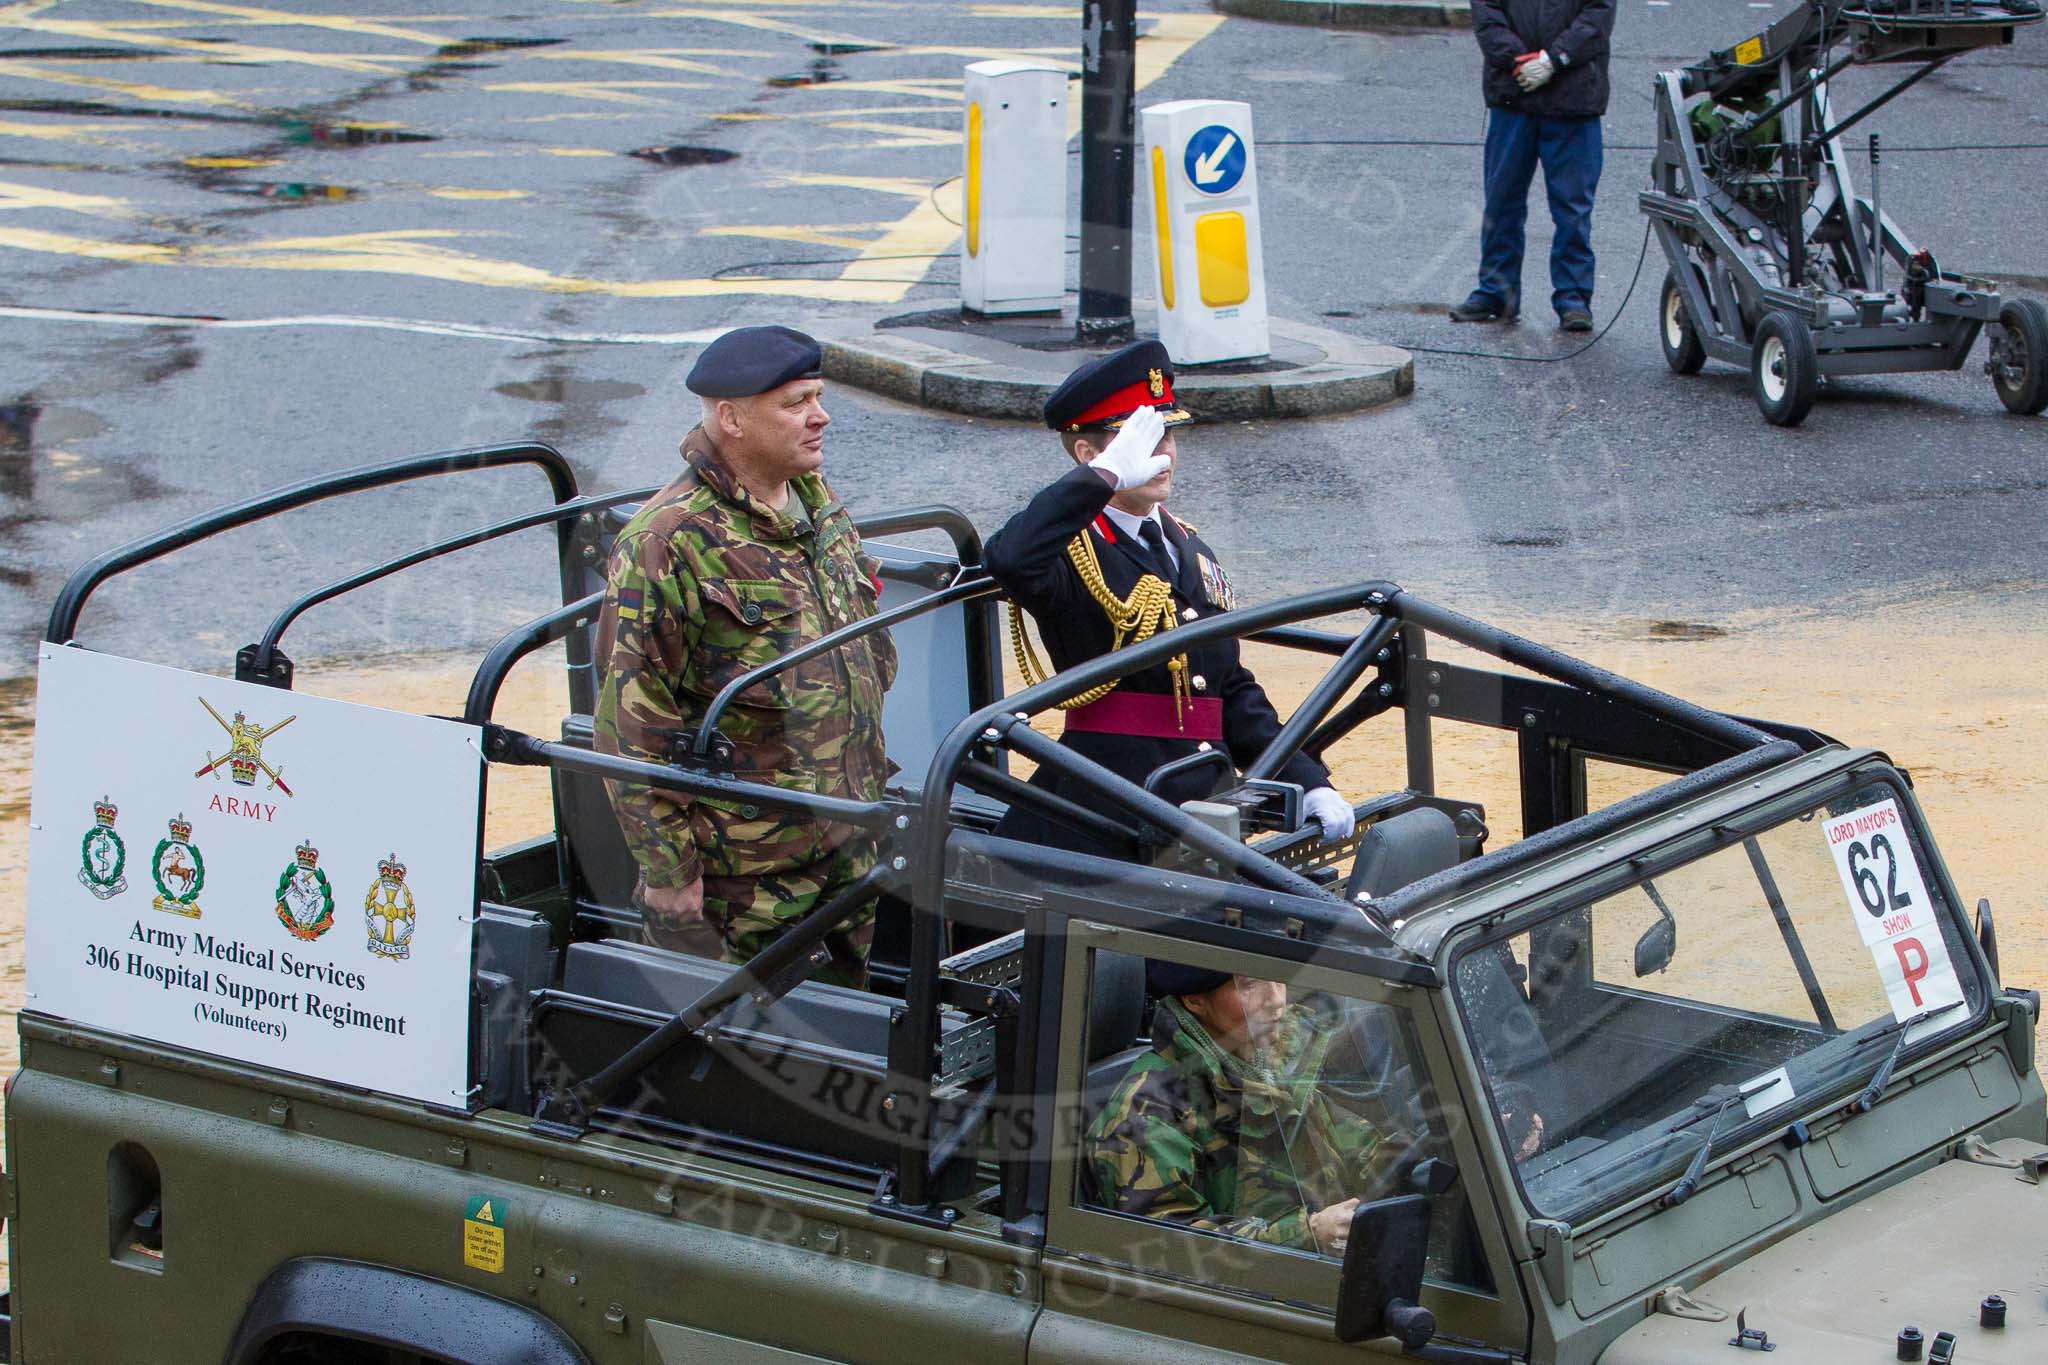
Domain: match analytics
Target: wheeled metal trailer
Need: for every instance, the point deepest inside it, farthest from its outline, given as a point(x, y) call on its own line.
point(1776, 262)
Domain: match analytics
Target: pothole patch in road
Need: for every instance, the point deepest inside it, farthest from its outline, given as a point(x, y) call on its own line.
point(685, 156)
point(1682, 630)
point(822, 72)
point(561, 390)
point(100, 109)
point(348, 134)
point(473, 47)
point(287, 191)
point(83, 54)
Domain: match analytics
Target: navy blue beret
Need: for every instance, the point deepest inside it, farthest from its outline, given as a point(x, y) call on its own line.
point(1105, 391)
point(751, 360)
point(1175, 978)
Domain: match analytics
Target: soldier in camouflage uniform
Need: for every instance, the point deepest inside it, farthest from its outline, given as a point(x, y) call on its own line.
point(743, 557)
point(1220, 1125)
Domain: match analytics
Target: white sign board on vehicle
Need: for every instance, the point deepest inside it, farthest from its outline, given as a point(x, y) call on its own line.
point(1888, 897)
point(262, 875)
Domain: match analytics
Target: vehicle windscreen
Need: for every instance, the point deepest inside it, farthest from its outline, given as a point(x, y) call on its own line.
point(1711, 999)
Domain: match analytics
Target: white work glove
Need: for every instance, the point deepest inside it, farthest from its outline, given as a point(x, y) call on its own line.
point(1536, 71)
point(1129, 459)
point(1335, 813)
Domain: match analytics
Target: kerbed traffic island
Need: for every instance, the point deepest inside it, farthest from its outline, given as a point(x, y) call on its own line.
point(1006, 367)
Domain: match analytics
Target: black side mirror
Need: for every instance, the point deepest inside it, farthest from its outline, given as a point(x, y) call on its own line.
point(1659, 943)
point(1381, 1282)
point(1655, 948)
point(1987, 936)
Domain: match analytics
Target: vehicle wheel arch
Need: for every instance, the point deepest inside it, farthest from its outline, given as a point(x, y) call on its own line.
point(374, 1305)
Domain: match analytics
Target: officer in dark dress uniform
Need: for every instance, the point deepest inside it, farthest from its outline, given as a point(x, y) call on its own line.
point(1099, 563)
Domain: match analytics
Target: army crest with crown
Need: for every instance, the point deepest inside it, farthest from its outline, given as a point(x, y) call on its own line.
point(102, 857)
point(305, 900)
point(388, 911)
point(178, 870)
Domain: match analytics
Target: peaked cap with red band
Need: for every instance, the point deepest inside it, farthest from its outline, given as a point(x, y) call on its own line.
point(1102, 393)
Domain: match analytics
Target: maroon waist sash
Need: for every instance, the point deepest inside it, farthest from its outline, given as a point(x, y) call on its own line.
point(1150, 715)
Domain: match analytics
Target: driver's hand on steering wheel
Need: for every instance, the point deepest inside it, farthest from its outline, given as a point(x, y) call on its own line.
point(1331, 1227)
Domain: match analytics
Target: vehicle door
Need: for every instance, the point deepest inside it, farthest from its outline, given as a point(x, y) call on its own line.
point(1337, 1097)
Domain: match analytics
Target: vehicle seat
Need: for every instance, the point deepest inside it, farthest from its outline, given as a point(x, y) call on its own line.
point(1400, 850)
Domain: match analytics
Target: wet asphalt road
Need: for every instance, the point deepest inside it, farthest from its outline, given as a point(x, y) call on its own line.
point(340, 180)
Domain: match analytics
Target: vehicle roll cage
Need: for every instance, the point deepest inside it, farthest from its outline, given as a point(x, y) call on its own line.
point(938, 864)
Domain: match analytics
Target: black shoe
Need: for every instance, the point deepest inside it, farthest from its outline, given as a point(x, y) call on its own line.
point(1481, 307)
point(1575, 320)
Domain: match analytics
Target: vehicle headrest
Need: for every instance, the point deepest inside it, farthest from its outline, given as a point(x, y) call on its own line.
point(1116, 1003)
point(1402, 849)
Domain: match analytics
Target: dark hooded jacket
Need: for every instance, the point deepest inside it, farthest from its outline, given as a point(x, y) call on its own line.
point(1574, 32)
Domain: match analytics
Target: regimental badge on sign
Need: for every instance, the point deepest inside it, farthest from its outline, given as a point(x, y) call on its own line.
point(244, 758)
point(179, 871)
point(103, 858)
point(388, 911)
point(305, 901)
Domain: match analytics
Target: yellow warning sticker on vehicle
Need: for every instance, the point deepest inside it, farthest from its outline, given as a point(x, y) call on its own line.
point(1751, 52)
point(483, 1234)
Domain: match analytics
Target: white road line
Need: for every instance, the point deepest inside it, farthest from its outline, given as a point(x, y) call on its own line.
point(451, 329)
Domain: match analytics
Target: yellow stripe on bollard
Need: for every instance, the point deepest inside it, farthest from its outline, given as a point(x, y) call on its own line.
point(974, 179)
point(1162, 229)
point(1222, 259)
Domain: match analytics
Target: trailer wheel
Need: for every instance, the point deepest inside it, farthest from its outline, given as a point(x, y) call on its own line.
point(1683, 350)
point(2019, 359)
point(1784, 369)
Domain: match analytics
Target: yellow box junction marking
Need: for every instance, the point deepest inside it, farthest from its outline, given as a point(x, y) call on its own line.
point(483, 1234)
point(610, 92)
point(875, 275)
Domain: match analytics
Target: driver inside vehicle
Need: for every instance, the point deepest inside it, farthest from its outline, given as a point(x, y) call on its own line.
point(1222, 1124)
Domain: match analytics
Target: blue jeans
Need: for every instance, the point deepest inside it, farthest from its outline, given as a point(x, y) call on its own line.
point(1569, 150)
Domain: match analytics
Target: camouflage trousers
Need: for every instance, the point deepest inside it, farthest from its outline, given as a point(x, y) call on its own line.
point(746, 914)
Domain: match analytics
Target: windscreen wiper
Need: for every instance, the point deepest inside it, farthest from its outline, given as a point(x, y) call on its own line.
point(1874, 1092)
point(1688, 1184)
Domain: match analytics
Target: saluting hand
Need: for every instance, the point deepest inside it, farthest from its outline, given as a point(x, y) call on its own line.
point(1129, 458)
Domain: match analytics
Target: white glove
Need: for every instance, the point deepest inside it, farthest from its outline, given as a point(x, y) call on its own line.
point(1536, 71)
point(1129, 458)
point(1325, 805)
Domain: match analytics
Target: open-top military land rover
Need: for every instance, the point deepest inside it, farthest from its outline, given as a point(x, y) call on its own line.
point(1709, 1061)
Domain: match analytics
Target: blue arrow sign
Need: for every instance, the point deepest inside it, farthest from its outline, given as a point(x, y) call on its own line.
point(1215, 159)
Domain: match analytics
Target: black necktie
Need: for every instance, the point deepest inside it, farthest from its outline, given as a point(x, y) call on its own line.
point(1155, 541)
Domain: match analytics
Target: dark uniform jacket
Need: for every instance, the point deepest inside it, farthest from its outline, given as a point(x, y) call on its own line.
point(1028, 557)
point(1574, 32)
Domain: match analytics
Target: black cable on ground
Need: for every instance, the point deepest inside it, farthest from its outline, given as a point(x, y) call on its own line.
point(1619, 308)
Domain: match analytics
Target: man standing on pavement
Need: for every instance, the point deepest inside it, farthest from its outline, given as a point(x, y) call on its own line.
point(1099, 563)
point(1546, 88)
point(743, 557)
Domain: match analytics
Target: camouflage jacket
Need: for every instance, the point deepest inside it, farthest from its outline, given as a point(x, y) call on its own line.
point(706, 583)
point(1197, 1137)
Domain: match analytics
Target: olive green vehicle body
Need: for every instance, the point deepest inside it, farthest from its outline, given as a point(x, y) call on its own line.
point(302, 1220)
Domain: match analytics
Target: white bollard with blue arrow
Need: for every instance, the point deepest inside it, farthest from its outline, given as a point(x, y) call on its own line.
point(1198, 193)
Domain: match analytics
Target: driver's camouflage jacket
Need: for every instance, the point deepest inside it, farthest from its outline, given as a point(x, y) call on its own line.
point(705, 583)
point(1195, 1136)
